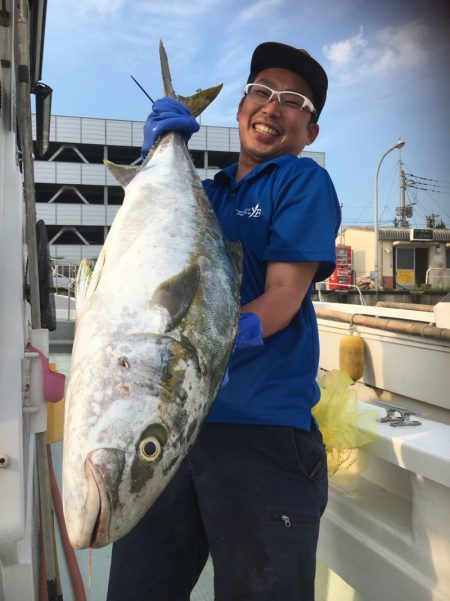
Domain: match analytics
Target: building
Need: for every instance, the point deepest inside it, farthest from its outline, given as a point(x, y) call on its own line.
point(78, 198)
point(408, 257)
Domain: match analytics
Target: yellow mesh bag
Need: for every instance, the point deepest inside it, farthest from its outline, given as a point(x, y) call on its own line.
point(344, 426)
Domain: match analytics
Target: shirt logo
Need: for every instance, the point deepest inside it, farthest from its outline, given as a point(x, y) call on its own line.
point(250, 212)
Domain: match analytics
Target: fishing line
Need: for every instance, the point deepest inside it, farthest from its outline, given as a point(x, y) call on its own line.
point(138, 84)
point(90, 567)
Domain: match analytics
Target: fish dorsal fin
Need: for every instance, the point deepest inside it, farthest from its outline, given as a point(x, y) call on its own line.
point(197, 102)
point(177, 293)
point(87, 281)
point(123, 173)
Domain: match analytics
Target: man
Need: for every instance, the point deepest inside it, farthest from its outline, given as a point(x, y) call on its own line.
point(254, 486)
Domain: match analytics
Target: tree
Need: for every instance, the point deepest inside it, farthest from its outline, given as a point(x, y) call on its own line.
point(433, 223)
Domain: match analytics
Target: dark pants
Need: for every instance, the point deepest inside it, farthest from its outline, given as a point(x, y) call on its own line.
point(252, 497)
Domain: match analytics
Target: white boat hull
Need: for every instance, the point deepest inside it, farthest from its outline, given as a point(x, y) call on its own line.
point(386, 534)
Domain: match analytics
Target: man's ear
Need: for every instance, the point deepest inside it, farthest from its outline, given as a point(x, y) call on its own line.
point(313, 132)
point(240, 108)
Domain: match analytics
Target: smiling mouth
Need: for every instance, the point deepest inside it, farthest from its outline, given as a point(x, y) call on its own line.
point(265, 129)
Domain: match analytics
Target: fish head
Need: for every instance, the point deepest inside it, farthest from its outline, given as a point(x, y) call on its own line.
point(133, 416)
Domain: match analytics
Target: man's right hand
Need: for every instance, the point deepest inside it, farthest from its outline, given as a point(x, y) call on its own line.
point(167, 114)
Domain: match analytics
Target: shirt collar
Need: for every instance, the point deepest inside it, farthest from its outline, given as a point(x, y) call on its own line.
point(229, 173)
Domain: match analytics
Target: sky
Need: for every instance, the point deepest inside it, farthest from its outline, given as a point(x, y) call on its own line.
point(388, 64)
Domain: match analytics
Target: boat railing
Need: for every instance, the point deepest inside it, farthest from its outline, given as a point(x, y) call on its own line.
point(64, 273)
point(64, 277)
point(437, 277)
point(320, 286)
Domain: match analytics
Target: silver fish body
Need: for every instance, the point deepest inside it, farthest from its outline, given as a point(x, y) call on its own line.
point(153, 338)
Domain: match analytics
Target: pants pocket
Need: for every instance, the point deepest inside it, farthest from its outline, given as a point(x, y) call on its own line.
point(309, 453)
point(290, 542)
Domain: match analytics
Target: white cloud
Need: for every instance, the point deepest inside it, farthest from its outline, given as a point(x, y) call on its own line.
point(343, 53)
point(392, 50)
point(255, 10)
point(83, 8)
point(176, 9)
point(402, 47)
point(169, 8)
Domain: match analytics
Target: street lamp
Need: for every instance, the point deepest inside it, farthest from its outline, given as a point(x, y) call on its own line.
point(399, 145)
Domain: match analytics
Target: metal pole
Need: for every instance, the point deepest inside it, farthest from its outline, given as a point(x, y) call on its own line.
point(24, 122)
point(26, 142)
point(399, 144)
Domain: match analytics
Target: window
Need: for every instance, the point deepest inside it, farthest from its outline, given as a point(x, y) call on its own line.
point(405, 258)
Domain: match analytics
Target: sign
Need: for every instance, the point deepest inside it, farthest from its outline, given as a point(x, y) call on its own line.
point(421, 234)
point(405, 276)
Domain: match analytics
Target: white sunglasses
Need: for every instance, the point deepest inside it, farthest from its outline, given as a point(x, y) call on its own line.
point(262, 94)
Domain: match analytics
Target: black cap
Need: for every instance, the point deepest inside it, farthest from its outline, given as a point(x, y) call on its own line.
point(276, 55)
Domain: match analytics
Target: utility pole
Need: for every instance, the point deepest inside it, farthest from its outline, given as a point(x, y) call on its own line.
point(403, 211)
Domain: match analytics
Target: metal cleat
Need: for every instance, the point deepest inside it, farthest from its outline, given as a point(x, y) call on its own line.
point(399, 416)
point(406, 420)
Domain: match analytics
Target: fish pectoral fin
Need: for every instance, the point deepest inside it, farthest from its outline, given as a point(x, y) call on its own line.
point(84, 276)
point(123, 173)
point(177, 293)
point(87, 281)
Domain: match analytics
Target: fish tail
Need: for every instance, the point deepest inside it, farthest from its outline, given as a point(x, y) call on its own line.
point(195, 103)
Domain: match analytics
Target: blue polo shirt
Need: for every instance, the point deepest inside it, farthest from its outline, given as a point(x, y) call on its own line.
point(286, 210)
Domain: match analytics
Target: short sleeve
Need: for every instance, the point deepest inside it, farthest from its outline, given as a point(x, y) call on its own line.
point(305, 219)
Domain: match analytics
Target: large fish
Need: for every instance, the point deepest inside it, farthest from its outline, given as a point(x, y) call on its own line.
point(155, 328)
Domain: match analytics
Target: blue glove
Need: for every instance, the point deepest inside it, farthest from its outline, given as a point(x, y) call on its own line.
point(249, 334)
point(167, 114)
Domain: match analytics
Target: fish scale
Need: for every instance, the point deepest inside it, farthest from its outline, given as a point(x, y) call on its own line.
point(156, 323)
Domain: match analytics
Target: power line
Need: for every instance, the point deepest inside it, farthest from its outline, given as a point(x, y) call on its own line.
point(425, 183)
point(429, 179)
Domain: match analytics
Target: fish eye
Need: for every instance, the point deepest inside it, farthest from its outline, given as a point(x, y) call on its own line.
point(150, 449)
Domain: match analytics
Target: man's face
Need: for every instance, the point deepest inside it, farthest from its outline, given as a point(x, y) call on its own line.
point(271, 130)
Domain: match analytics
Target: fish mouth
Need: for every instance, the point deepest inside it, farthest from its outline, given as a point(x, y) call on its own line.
point(103, 469)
